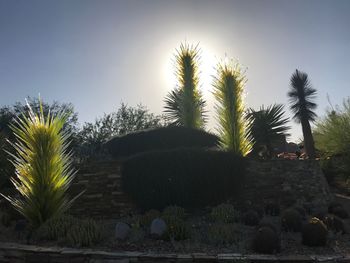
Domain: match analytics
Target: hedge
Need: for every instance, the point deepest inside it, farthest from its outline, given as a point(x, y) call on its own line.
point(164, 138)
point(191, 178)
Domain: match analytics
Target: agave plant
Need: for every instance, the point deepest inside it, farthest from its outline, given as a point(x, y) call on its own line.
point(229, 85)
point(184, 106)
point(42, 166)
point(267, 126)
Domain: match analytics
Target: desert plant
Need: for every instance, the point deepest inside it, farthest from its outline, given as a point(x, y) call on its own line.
point(147, 218)
point(251, 218)
point(266, 240)
point(224, 213)
point(174, 212)
point(340, 212)
point(272, 208)
point(177, 229)
point(228, 91)
point(314, 233)
point(267, 126)
point(43, 166)
point(85, 233)
point(222, 233)
point(301, 97)
point(56, 228)
point(184, 106)
point(291, 220)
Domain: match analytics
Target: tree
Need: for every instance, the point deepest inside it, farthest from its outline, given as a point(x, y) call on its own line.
point(267, 126)
point(184, 106)
point(42, 165)
point(301, 96)
point(228, 91)
point(125, 120)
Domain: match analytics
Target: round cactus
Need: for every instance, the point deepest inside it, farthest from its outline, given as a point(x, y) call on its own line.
point(314, 233)
point(266, 241)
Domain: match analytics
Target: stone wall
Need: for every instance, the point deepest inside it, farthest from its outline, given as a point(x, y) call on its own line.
point(282, 181)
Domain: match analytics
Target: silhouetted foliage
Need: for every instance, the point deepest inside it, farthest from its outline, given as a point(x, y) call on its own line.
point(301, 96)
point(184, 106)
point(190, 178)
point(228, 91)
point(267, 126)
point(164, 138)
point(125, 120)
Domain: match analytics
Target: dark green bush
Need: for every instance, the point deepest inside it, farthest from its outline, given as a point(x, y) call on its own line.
point(165, 138)
point(266, 241)
point(314, 233)
point(224, 213)
point(56, 228)
point(84, 234)
point(191, 178)
point(291, 220)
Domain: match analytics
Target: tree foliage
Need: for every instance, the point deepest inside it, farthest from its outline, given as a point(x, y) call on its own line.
point(229, 85)
point(125, 120)
point(267, 126)
point(301, 96)
point(184, 106)
point(332, 132)
point(42, 165)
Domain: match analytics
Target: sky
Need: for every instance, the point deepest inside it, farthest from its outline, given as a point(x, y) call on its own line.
point(97, 54)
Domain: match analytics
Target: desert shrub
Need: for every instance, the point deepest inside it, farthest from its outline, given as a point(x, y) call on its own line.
point(222, 233)
point(165, 138)
point(147, 218)
point(251, 218)
point(265, 222)
point(334, 224)
point(266, 240)
point(177, 229)
point(189, 178)
point(56, 228)
point(291, 220)
point(84, 234)
point(272, 209)
point(174, 211)
point(224, 213)
point(314, 233)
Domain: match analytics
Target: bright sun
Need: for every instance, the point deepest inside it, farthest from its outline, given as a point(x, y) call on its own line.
point(207, 63)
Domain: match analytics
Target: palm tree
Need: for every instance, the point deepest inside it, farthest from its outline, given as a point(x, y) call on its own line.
point(184, 106)
point(228, 91)
point(267, 126)
point(301, 95)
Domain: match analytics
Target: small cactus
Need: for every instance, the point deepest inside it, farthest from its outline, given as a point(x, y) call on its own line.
point(314, 233)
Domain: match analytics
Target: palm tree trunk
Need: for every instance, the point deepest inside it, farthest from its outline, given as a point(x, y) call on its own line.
point(308, 139)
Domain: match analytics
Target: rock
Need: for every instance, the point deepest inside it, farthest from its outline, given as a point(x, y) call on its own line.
point(158, 227)
point(122, 231)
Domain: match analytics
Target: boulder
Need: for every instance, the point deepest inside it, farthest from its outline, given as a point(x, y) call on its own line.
point(158, 227)
point(122, 231)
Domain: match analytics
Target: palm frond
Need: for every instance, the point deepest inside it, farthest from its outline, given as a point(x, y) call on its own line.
point(267, 125)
